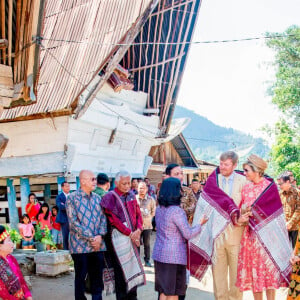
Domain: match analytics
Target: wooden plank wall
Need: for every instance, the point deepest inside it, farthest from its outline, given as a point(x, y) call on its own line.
point(165, 154)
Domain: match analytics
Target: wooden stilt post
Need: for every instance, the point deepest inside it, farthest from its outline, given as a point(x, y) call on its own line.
point(12, 206)
point(25, 191)
point(77, 182)
point(60, 180)
point(47, 193)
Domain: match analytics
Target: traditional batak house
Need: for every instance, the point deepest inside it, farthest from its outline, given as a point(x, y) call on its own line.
point(86, 85)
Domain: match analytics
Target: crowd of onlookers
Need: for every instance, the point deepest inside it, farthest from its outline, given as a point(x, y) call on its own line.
point(104, 226)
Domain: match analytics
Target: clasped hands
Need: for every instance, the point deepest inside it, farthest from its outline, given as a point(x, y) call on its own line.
point(96, 242)
point(135, 237)
point(246, 213)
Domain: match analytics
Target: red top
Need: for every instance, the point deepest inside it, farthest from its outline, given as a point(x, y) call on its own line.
point(54, 224)
point(44, 222)
point(32, 210)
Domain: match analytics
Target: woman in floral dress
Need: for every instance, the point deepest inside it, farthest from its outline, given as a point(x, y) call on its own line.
point(256, 271)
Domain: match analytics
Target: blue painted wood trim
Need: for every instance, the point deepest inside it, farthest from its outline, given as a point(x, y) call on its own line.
point(12, 208)
point(25, 191)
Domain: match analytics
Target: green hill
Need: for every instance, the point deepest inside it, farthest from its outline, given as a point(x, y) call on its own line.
point(208, 140)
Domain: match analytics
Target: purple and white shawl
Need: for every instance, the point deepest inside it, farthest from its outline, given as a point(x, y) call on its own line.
point(268, 222)
point(222, 212)
point(128, 254)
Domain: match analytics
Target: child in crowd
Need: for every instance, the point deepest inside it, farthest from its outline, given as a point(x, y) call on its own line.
point(27, 232)
point(44, 216)
point(56, 230)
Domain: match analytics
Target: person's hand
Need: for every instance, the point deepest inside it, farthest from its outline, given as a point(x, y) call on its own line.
point(203, 220)
point(288, 226)
point(96, 242)
point(244, 219)
point(294, 259)
point(135, 237)
point(29, 298)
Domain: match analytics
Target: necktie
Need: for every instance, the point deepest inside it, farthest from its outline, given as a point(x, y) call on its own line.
point(226, 187)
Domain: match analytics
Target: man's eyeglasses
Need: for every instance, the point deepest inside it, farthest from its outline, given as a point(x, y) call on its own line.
point(91, 179)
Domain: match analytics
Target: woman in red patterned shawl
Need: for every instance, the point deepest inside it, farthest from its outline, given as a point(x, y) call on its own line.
point(12, 283)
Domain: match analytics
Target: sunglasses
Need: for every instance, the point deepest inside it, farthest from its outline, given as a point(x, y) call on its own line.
point(246, 170)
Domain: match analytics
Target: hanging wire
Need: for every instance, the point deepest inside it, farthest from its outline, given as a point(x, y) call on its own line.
point(168, 43)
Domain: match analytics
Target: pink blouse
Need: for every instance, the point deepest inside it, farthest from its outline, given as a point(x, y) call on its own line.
point(4, 294)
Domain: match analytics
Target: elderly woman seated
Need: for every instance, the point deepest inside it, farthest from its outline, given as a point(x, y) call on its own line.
point(12, 283)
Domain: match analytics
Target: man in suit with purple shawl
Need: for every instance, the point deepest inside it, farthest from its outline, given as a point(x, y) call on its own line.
point(222, 193)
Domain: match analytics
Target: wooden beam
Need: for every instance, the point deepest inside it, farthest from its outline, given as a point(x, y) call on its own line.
point(127, 40)
point(171, 6)
point(3, 143)
point(10, 15)
point(36, 6)
point(3, 29)
point(3, 43)
point(20, 53)
point(157, 64)
point(47, 192)
point(12, 207)
point(18, 22)
point(177, 81)
point(6, 85)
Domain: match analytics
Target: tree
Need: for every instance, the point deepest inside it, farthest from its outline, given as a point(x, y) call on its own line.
point(285, 92)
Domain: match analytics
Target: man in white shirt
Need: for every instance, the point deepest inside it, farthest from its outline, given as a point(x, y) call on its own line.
point(227, 253)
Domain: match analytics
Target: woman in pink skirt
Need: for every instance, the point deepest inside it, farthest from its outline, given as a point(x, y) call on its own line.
point(256, 271)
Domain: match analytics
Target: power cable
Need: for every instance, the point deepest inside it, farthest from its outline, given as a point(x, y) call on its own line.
point(277, 36)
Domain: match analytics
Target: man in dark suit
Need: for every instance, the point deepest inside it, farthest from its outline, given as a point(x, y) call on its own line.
point(62, 218)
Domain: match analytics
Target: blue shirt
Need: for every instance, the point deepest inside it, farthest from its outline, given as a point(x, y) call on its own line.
point(230, 182)
point(86, 220)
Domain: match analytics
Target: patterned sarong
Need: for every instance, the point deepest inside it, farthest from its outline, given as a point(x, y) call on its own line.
point(128, 256)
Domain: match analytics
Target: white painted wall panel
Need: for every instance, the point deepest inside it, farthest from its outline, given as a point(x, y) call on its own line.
point(35, 136)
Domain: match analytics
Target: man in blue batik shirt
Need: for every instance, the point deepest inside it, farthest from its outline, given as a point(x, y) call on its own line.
point(88, 225)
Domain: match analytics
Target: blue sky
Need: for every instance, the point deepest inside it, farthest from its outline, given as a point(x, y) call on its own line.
point(227, 83)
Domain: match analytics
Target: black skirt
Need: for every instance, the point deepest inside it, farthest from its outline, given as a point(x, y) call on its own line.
point(170, 279)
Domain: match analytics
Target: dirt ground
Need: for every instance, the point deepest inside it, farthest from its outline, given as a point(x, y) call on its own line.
point(62, 287)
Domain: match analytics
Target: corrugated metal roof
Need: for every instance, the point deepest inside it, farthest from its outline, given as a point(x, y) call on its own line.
point(184, 151)
point(67, 67)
